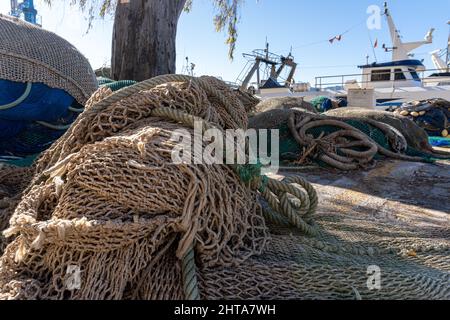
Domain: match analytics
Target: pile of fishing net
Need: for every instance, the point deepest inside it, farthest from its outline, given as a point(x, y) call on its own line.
point(13, 180)
point(106, 199)
point(431, 115)
point(44, 83)
point(346, 138)
point(282, 103)
point(108, 216)
point(323, 103)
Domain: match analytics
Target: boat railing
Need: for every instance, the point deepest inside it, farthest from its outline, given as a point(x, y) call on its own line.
point(326, 82)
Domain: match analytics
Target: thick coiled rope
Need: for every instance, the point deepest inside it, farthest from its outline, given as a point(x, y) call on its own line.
point(348, 148)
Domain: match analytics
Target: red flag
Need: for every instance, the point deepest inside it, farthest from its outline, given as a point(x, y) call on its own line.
point(376, 44)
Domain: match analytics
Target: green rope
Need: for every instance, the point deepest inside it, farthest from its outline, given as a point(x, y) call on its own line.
point(77, 110)
point(117, 85)
point(264, 183)
point(248, 172)
point(18, 100)
point(190, 283)
point(103, 80)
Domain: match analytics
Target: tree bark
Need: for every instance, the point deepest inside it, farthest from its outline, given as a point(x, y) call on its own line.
point(144, 38)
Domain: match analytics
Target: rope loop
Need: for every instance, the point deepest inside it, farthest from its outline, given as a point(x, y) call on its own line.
point(19, 100)
point(285, 198)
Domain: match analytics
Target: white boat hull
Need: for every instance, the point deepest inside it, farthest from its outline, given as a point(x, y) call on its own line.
point(402, 94)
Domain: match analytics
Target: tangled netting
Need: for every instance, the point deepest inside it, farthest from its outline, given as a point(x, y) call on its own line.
point(343, 145)
point(13, 180)
point(106, 199)
point(336, 264)
point(283, 103)
point(106, 204)
point(29, 53)
point(431, 115)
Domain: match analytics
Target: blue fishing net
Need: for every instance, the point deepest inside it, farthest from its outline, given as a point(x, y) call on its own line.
point(20, 134)
point(440, 142)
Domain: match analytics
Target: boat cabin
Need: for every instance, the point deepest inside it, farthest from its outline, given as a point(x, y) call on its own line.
point(404, 73)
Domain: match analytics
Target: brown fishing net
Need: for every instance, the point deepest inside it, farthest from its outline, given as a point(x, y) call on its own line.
point(414, 135)
point(13, 180)
point(413, 263)
point(284, 103)
point(29, 53)
point(115, 205)
point(108, 216)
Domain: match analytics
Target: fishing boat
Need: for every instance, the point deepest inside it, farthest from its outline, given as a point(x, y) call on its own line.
point(400, 80)
point(442, 77)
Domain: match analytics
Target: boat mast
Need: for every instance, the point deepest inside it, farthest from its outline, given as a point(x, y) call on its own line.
point(438, 62)
point(264, 56)
point(188, 69)
point(401, 50)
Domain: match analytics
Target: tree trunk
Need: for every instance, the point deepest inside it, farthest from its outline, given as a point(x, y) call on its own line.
point(144, 38)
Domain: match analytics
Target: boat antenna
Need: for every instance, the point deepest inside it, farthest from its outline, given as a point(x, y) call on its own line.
point(373, 47)
point(188, 68)
point(448, 48)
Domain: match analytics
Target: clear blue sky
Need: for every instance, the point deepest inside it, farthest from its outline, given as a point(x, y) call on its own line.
point(285, 23)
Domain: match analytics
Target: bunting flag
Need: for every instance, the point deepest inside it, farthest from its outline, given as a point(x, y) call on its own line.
point(376, 44)
point(338, 38)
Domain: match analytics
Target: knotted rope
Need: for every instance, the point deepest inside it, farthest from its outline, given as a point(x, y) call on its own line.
point(347, 148)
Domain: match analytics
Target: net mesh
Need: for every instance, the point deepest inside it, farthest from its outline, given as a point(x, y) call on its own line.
point(31, 54)
point(118, 204)
point(105, 200)
point(346, 143)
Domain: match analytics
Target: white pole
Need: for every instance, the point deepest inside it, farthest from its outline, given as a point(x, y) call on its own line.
point(448, 48)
